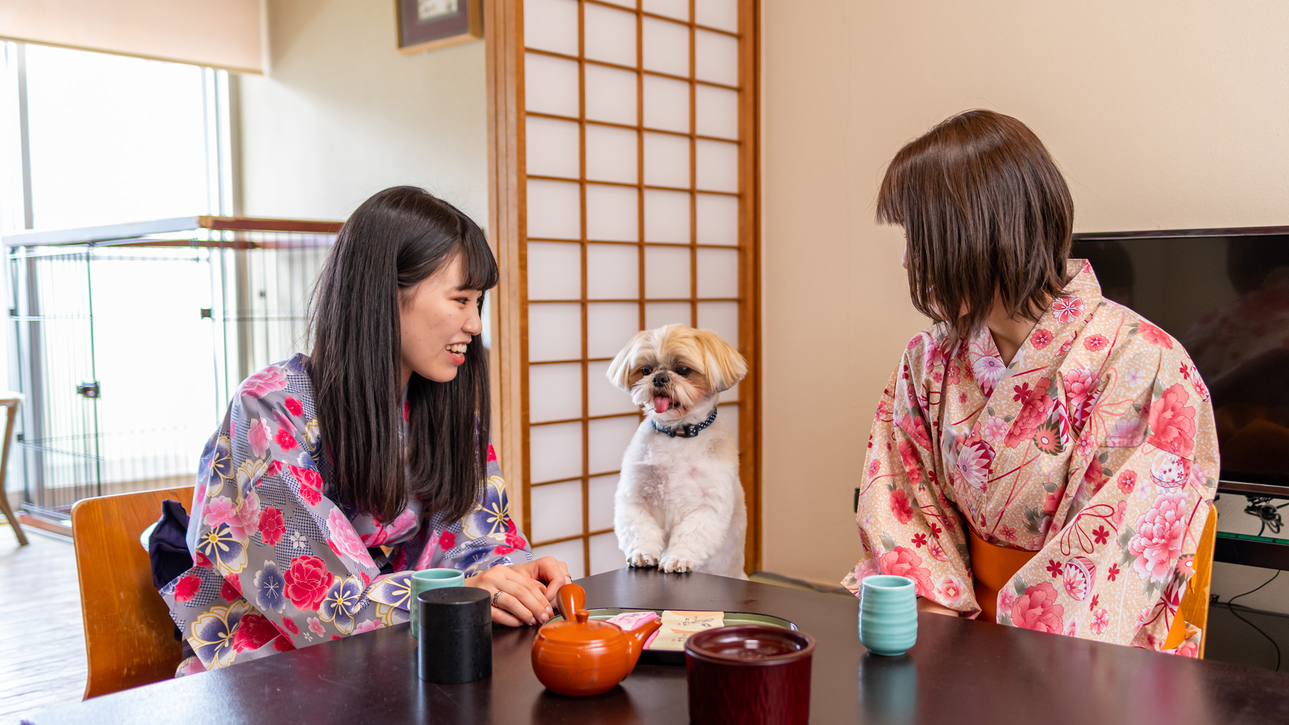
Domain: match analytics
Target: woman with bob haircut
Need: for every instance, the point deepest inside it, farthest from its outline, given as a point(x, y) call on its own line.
point(1042, 457)
point(335, 475)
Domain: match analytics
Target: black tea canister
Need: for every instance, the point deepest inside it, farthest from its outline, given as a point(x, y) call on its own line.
point(455, 639)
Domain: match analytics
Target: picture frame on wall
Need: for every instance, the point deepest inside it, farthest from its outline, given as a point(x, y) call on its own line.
point(430, 24)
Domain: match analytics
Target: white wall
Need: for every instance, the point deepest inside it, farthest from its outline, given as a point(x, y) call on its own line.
point(341, 114)
point(1161, 113)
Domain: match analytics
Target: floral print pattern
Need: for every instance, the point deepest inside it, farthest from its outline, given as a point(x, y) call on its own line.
point(278, 564)
point(1095, 448)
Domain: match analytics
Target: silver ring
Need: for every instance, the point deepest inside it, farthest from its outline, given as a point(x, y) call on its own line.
point(494, 597)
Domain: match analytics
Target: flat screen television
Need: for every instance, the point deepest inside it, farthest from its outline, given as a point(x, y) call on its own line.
point(1224, 294)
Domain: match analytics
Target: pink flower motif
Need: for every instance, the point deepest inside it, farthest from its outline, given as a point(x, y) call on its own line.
point(218, 511)
point(316, 627)
point(310, 484)
point(264, 382)
point(1127, 481)
point(289, 625)
point(951, 589)
point(1081, 389)
point(447, 540)
point(254, 631)
point(272, 526)
point(900, 506)
point(229, 592)
point(1188, 649)
point(1172, 422)
point(930, 351)
point(187, 587)
point(1154, 335)
point(1126, 432)
point(988, 369)
point(912, 463)
point(1037, 609)
point(258, 436)
point(401, 524)
point(1006, 598)
point(904, 561)
point(935, 550)
point(974, 462)
point(369, 626)
point(1095, 342)
point(246, 518)
point(294, 407)
point(346, 539)
point(285, 440)
point(995, 429)
point(1100, 620)
point(1158, 542)
point(1067, 309)
point(874, 467)
point(1041, 338)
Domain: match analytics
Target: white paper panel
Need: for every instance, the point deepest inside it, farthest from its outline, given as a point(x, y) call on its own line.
point(554, 392)
point(612, 213)
point(715, 57)
point(666, 273)
point(610, 94)
point(612, 272)
point(550, 85)
point(611, 154)
point(554, 210)
point(602, 396)
point(605, 554)
point(569, 552)
point(719, 14)
point(717, 219)
point(730, 395)
point(666, 47)
point(666, 216)
point(607, 440)
point(666, 106)
point(600, 501)
point(624, 3)
point(554, 332)
point(554, 271)
point(666, 160)
point(658, 314)
point(729, 416)
point(557, 510)
point(716, 112)
point(555, 452)
point(717, 273)
point(551, 147)
point(717, 168)
point(609, 325)
point(678, 9)
point(551, 25)
point(721, 318)
point(610, 35)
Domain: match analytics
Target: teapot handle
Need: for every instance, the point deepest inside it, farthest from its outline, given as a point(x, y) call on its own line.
point(571, 598)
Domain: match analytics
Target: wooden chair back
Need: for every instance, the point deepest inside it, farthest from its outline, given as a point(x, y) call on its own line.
point(1193, 608)
point(129, 636)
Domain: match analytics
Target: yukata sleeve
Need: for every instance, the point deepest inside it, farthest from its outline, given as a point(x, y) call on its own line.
point(1117, 568)
point(906, 524)
point(484, 538)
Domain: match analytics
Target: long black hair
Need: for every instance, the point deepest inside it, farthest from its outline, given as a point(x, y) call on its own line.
point(392, 242)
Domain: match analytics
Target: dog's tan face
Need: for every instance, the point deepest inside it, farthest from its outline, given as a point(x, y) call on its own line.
point(673, 368)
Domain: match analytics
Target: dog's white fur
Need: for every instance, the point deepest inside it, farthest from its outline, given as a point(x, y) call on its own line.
point(679, 504)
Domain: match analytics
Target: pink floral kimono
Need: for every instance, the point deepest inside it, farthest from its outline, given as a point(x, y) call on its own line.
point(1095, 448)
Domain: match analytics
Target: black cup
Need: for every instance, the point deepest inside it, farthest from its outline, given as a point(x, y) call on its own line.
point(455, 639)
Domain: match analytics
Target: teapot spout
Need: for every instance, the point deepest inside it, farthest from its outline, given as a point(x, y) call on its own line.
point(636, 639)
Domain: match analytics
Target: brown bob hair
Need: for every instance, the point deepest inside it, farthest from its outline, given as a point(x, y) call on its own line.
point(984, 211)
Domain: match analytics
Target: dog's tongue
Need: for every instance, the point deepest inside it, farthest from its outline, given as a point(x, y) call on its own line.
point(661, 404)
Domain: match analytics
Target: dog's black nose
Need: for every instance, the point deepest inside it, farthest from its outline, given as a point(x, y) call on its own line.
point(660, 380)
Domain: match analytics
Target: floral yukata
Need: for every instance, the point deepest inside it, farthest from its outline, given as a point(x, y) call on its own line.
point(278, 564)
point(1095, 448)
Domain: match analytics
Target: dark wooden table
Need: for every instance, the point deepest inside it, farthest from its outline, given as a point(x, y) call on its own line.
point(959, 672)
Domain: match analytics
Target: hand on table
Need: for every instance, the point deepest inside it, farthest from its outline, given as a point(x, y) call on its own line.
point(522, 593)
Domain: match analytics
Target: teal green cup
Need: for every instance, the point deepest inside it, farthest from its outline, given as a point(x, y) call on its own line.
point(427, 579)
point(888, 614)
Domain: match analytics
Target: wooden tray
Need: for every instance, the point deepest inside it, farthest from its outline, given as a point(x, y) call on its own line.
point(677, 657)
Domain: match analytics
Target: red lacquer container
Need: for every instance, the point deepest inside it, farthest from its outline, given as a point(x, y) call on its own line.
point(749, 675)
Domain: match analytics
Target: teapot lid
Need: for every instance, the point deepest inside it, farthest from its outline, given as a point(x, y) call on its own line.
point(582, 629)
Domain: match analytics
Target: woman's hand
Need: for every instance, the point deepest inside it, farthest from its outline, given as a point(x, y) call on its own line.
point(526, 590)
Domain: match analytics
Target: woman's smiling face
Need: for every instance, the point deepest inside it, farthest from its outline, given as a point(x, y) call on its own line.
point(437, 320)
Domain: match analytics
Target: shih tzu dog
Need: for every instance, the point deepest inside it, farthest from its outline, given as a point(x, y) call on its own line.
point(679, 505)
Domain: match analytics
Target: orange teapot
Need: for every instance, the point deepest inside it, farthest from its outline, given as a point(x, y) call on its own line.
point(581, 656)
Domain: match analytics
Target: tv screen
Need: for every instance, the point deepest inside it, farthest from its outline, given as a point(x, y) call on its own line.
point(1224, 294)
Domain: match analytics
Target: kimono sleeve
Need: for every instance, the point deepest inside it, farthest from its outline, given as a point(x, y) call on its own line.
point(484, 538)
point(906, 524)
point(1116, 569)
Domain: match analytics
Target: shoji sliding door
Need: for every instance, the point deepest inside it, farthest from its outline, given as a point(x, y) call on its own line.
point(623, 198)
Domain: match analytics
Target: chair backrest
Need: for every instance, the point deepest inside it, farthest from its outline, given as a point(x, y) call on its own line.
point(129, 636)
point(1194, 606)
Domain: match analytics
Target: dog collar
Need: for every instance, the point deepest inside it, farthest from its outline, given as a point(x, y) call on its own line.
point(685, 431)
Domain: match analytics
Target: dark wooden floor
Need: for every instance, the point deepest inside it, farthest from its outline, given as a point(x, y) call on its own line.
point(42, 643)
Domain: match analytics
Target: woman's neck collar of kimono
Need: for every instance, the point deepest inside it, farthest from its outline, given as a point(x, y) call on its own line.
point(1009, 332)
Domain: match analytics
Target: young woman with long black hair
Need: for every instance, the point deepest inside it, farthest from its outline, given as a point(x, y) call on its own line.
point(335, 475)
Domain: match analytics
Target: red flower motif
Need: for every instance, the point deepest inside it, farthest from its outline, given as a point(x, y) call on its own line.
point(1172, 422)
point(1154, 335)
point(1101, 534)
point(289, 625)
point(285, 440)
point(1054, 567)
point(492, 454)
point(513, 538)
point(905, 562)
point(253, 632)
point(1067, 309)
point(310, 484)
point(447, 540)
point(1037, 609)
point(294, 406)
point(306, 582)
point(1095, 598)
point(1127, 480)
point(407, 413)
point(502, 550)
point(187, 588)
point(900, 506)
point(1095, 342)
point(912, 464)
point(935, 530)
point(275, 467)
point(271, 526)
point(919, 540)
point(229, 592)
point(1040, 338)
point(283, 644)
point(202, 561)
point(1112, 572)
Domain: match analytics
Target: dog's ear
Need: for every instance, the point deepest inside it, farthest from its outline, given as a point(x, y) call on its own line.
point(725, 366)
point(619, 372)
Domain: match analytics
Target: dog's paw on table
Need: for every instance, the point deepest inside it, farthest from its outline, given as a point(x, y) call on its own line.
point(676, 564)
point(644, 560)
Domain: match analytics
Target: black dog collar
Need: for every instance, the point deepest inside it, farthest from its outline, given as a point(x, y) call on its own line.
point(685, 431)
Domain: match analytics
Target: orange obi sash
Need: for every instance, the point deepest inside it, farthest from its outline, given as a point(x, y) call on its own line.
point(992, 567)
